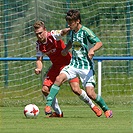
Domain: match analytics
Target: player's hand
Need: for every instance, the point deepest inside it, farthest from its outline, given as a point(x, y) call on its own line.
point(64, 52)
point(91, 54)
point(37, 71)
point(65, 31)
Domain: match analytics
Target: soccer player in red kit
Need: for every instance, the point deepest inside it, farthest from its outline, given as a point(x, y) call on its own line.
point(50, 44)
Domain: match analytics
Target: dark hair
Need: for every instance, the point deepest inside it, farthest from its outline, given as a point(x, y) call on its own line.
point(39, 24)
point(73, 15)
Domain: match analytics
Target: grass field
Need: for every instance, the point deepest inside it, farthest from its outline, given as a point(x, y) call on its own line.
point(77, 119)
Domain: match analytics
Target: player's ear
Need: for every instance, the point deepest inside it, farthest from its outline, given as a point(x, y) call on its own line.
point(78, 21)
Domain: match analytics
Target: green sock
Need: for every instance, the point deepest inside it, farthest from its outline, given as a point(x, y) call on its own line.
point(53, 92)
point(99, 100)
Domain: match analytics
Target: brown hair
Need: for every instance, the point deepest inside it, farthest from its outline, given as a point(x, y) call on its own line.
point(73, 15)
point(39, 24)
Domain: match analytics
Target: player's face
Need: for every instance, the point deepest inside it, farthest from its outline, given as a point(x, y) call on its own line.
point(41, 34)
point(73, 25)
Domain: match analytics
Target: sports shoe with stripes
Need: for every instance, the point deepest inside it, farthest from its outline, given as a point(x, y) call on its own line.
point(48, 110)
point(97, 111)
point(54, 114)
point(108, 114)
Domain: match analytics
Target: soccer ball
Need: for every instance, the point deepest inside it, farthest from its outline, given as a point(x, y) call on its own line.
point(31, 111)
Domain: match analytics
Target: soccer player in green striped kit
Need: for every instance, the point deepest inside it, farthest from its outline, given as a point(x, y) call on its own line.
point(83, 43)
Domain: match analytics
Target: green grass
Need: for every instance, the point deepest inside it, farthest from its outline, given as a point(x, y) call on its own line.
point(77, 119)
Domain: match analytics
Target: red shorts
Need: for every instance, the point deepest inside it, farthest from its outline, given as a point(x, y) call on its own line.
point(53, 73)
point(74, 80)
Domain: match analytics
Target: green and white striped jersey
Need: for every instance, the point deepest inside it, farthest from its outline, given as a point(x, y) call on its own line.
point(82, 41)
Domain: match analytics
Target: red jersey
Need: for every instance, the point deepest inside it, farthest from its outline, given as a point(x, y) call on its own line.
point(52, 48)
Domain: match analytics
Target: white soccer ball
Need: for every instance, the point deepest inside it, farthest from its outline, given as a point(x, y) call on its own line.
point(31, 111)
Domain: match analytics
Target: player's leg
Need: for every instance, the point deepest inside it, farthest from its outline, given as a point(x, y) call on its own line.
point(54, 91)
point(90, 84)
point(48, 82)
point(55, 88)
point(63, 76)
point(74, 83)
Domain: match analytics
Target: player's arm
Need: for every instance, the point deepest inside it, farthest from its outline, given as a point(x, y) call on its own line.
point(97, 46)
point(39, 65)
point(58, 34)
point(66, 50)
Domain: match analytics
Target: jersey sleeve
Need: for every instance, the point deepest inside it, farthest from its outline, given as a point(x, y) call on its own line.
point(38, 52)
point(56, 34)
point(93, 39)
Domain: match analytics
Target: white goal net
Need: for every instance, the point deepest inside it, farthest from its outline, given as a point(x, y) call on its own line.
point(111, 21)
